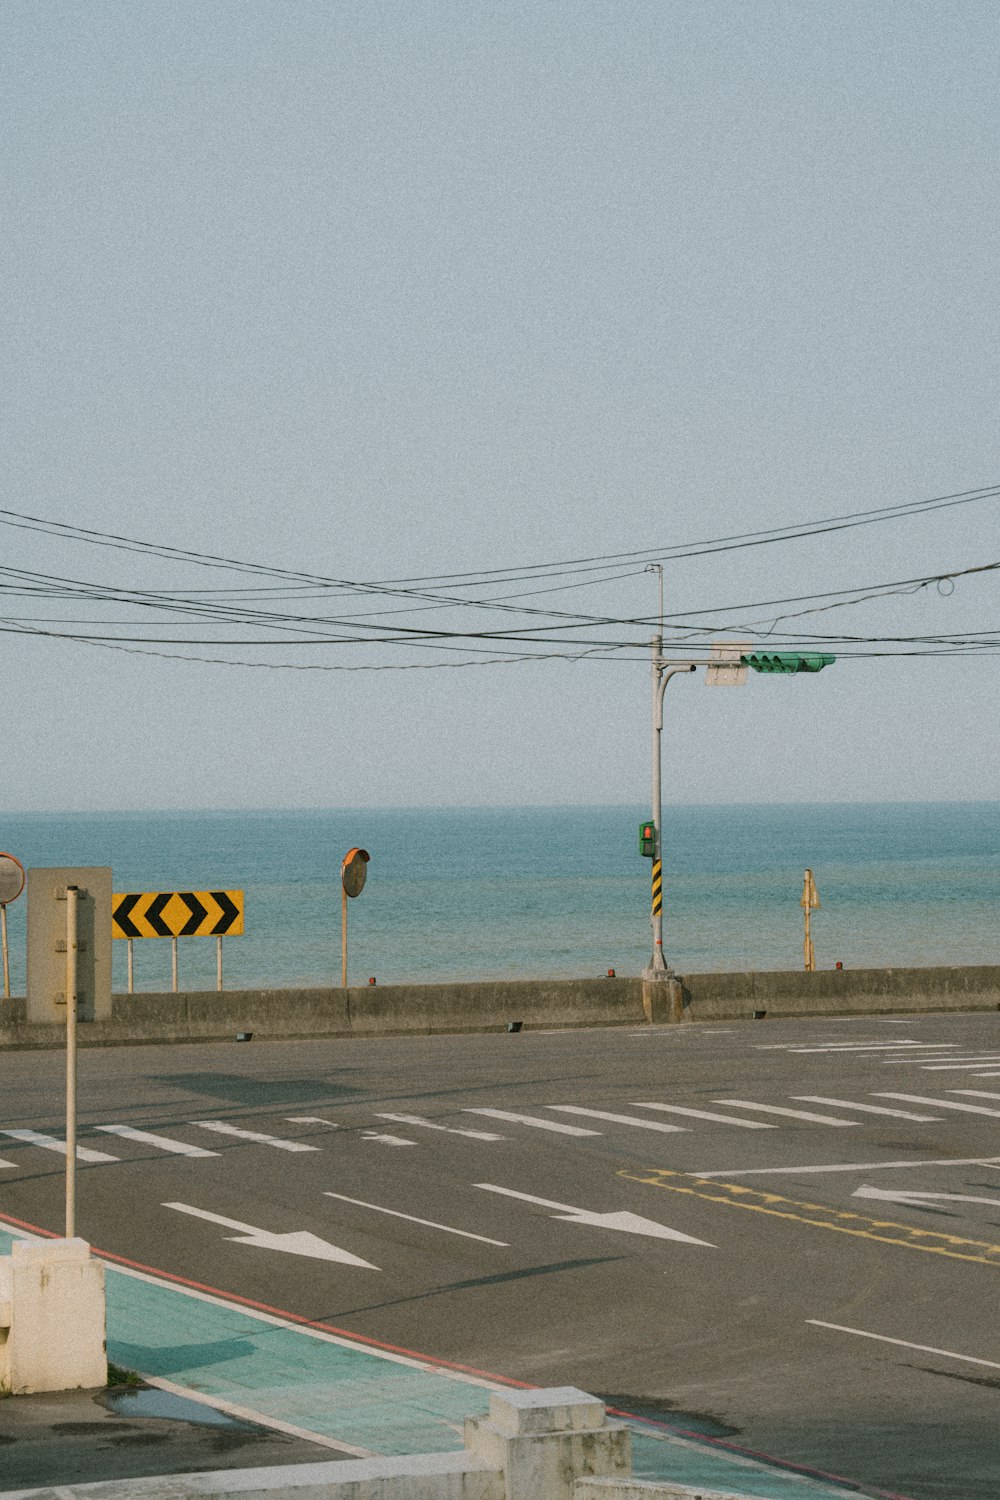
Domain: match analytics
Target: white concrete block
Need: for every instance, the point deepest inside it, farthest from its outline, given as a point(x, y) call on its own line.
point(52, 1337)
point(544, 1440)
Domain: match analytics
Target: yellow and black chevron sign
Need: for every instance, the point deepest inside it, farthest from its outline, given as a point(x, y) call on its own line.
point(150, 914)
point(657, 887)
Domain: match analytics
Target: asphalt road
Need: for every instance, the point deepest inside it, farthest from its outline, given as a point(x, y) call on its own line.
point(786, 1232)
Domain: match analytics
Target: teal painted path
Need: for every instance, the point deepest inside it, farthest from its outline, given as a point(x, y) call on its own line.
point(388, 1404)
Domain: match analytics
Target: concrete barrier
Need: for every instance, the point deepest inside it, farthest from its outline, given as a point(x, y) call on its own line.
point(484, 1006)
point(534, 1445)
point(51, 1318)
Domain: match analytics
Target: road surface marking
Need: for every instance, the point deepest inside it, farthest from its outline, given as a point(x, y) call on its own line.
point(971, 1109)
point(148, 1138)
point(627, 1223)
point(418, 1120)
point(311, 1120)
point(882, 1338)
point(297, 1242)
point(852, 1049)
point(603, 1114)
point(703, 1114)
point(980, 1062)
point(776, 1109)
point(428, 1223)
point(819, 1216)
point(868, 1109)
point(386, 1139)
point(248, 1414)
point(503, 1114)
point(11, 1164)
point(851, 1166)
point(920, 1199)
point(50, 1143)
point(976, 1093)
point(221, 1128)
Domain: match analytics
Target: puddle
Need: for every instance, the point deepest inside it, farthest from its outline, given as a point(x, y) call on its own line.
point(150, 1402)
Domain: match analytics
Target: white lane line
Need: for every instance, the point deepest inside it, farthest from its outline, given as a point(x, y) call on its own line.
point(50, 1143)
point(476, 1135)
point(704, 1114)
point(427, 1223)
point(311, 1120)
point(868, 1109)
point(980, 1062)
point(986, 1075)
point(11, 1164)
point(385, 1138)
point(503, 1114)
point(625, 1222)
point(604, 1114)
point(148, 1138)
point(862, 1333)
point(849, 1166)
point(971, 1109)
point(853, 1049)
point(795, 1114)
point(976, 1093)
point(221, 1128)
point(248, 1414)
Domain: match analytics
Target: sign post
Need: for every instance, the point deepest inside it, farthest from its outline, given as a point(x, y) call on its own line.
point(809, 904)
point(353, 872)
point(71, 1003)
point(174, 914)
point(11, 886)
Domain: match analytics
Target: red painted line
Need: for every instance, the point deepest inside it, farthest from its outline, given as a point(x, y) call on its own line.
point(280, 1312)
point(447, 1364)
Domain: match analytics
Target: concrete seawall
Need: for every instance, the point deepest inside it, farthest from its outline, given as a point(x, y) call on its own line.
point(430, 1009)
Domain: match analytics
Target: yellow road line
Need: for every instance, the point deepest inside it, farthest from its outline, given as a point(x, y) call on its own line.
point(842, 1221)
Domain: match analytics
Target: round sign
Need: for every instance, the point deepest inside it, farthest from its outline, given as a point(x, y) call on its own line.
point(353, 871)
point(11, 878)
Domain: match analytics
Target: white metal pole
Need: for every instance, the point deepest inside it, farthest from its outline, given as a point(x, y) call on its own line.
point(173, 962)
point(131, 971)
point(656, 914)
point(218, 962)
point(6, 960)
point(343, 935)
point(71, 981)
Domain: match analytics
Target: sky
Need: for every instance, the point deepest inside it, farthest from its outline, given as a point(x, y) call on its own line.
point(414, 288)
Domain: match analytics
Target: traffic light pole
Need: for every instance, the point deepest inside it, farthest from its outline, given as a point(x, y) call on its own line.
point(662, 673)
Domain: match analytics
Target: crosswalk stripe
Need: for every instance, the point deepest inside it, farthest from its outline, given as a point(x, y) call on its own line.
point(868, 1109)
point(222, 1128)
point(777, 1109)
point(149, 1138)
point(704, 1114)
point(603, 1114)
point(972, 1109)
point(50, 1143)
point(977, 1093)
point(420, 1122)
point(3, 1163)
point(980, 1062)
point(533, 1120)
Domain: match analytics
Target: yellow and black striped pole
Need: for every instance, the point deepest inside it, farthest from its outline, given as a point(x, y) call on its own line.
point(657, 887)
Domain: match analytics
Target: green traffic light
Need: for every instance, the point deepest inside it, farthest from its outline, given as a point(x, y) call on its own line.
point(787, 661)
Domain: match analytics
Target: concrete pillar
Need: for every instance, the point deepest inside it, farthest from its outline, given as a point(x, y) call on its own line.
point(51, 1318)
point(663, 999)
point(544, 1440)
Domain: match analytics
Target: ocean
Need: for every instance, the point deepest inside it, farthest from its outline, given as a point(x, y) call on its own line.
point(470, 893)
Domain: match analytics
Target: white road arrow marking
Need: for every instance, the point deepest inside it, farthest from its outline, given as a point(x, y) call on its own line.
point(920, 1200)
point(297, 1242)
point(628, 1223)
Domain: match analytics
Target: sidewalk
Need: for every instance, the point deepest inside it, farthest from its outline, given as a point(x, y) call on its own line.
point(292, 1394)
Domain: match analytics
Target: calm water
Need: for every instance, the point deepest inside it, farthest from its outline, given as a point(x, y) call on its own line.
point(463, 893)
